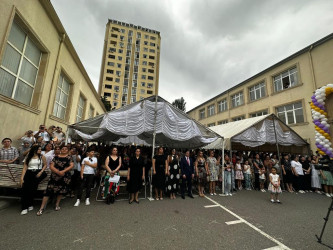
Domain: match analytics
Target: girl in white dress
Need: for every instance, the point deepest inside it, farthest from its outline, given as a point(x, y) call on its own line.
point(274, 185)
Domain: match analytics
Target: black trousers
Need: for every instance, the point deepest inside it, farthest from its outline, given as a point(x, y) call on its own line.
point(87, 182)
point(256, 181)
point(75, 180)
point(299, 182)
point(188, 181)
point(29, 188)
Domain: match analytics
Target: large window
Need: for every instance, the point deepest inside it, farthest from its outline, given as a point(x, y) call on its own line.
point(211, 124)
point(285, 80)
point(61, 100)
point(80, 109)
point(202, 114)
point(237, 100)
point(222, 105)
point(19, 68)
point(238, 118)
point(222, 122)
point(211, 110)
point(257, 91)
point(260, 113)
point(291, 113)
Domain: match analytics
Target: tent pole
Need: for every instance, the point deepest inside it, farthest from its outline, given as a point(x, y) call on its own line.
point(66, 137)
point(153, 151)
point(222, 162)
point(276, 141)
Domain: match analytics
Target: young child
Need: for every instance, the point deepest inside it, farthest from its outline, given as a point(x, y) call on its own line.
point(262, 178)
point(274, 185)
point(247, 175)
point(239, 174)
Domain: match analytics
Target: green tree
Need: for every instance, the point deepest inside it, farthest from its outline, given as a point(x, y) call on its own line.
point(180, 104)
point(106, 103)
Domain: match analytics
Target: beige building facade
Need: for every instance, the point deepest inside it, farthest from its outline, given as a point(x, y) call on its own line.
point(42, 80)
point(130, 63)
point(284, 89)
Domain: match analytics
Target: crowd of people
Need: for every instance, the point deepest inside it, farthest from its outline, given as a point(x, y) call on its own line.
point(77, 167)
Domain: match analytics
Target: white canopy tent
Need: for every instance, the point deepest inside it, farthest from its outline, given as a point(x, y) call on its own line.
point(264, 133)
point(151, 121)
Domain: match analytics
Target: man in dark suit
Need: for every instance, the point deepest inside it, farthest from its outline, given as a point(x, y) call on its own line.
point(187, 173)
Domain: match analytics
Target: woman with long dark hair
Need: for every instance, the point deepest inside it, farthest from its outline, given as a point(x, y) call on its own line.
point(32, 174)
point(59, 182)
point(160, 169)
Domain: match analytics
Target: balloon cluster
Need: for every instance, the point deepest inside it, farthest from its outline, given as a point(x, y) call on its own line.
point(319, 115)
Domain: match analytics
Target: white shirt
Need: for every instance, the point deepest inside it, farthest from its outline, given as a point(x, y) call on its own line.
point(77, 165)
point(49, 157)
point(45, 135)
point(60, 135)
point(275, 178)
point(247, 171)
point(35, 164)
point(298, 167)
point(88, 169)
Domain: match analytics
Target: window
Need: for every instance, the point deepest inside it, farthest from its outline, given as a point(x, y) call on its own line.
point(109, 71)
point(122, 31)
point(107, 86)
point(133, 91)
point(152, 44)
point(260, 113)
point(237, 100)
point(91, 112)
point(124, 98)
point(146, 37)
point(257, 91)
point(115, 104)
point(150, 78)
point(152, 51)
point(144, 56)
point(110, 79)
point(152, 57)
point(117, 80)
point(107, 94)
point(211, 110)
point(126, 82)
point(143, 84)
point(135, 76)
point(151, 71)
point(222, 122)
point(149, 92)
point(202, 114)
point(115, 96)
point(145, 43)
point(138, 35)
point(114, 35)
point(291, 113)
point(143, 77)
point(110, 63)
point(120, 50)
point(142, 91)
point(242, 117)
point(133, 98)
point(118, 73)
point(222, 105)
point(144, 63)
point(153, 38)
point(20, 64)
point(119, 65)
point(211, 124)
point(61, 100)
point(285, 80)
point(80, 108)
point(130, 33)
point(145, 49)
point(120, 58)
point(134, 83)
point(122, 39)
point(112, 56)
point(121, 45)
point(144, 70)
point(112, 50)
point(116, 88)
point(150, 85)
point(125, 90)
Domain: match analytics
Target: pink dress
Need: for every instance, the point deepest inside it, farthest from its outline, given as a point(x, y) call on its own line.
point(239, 172)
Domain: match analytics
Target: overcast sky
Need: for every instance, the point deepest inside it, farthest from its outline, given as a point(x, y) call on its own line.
point(207, 46)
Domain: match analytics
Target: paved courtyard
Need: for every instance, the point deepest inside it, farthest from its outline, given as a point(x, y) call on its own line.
point(245, 221)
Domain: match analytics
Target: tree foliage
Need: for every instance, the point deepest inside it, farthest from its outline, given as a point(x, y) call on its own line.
point(180, 104)
point(106, 103)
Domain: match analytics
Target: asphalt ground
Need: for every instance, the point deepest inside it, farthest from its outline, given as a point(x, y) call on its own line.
point(198, 223)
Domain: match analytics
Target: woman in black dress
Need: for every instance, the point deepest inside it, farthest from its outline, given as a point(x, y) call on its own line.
point(59, 182)
point(287, 173)
point(160, 169)
point(112, 166)
point(173, 174)
point(135, 176)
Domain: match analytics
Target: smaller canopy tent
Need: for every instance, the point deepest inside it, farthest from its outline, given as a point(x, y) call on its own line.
point(137, 122)
point(259, 133)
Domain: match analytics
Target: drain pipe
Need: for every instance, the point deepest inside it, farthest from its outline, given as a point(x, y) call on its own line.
point(312, 70)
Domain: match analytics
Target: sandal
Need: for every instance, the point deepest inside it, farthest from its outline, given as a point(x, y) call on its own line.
point(57, 208)
point(161, 198)
point(40, 212)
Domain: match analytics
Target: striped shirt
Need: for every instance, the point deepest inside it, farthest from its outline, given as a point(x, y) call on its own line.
point(8, 153)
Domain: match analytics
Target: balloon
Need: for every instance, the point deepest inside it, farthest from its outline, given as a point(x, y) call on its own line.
point(326, 145)
point(322, 143)
point(324, 122)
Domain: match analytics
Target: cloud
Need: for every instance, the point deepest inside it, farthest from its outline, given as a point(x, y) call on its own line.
point(207, 46)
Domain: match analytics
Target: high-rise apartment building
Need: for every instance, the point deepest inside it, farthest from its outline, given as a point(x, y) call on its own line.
point(130, 64)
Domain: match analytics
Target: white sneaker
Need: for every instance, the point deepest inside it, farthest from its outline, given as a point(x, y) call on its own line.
point(230, 194)
point(77, 203)
point(87, 202)
point(211, 194)
point(331, 194)
point(30, 208)
point(215, 194)
point(24, 211)
point(327, 194)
